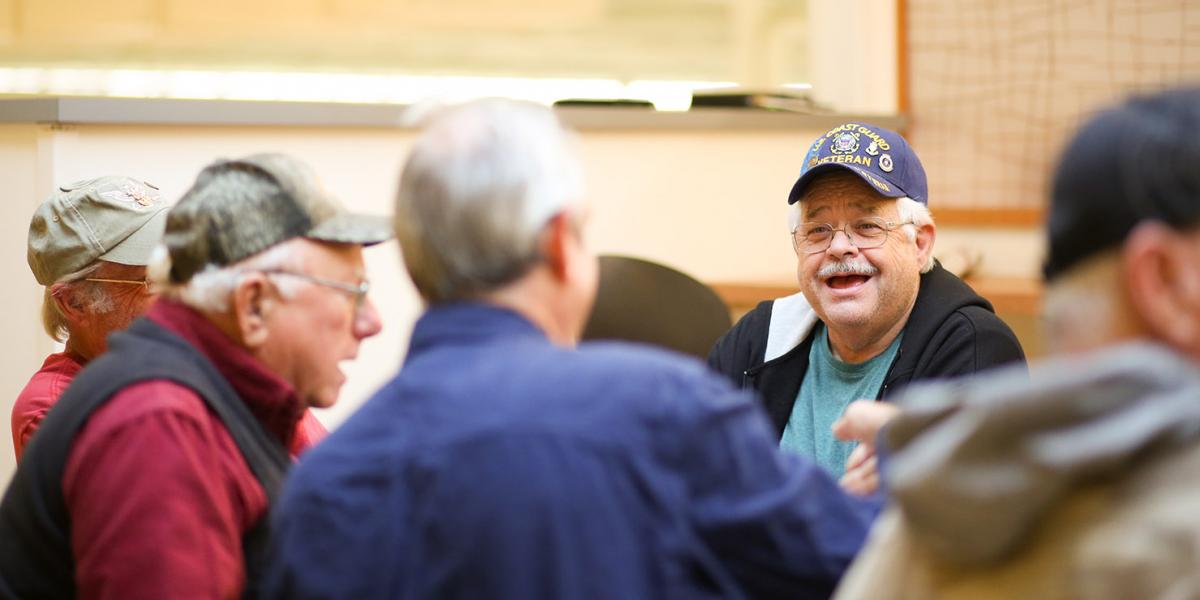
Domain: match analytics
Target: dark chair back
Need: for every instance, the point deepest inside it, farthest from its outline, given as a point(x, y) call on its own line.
point(643, 301)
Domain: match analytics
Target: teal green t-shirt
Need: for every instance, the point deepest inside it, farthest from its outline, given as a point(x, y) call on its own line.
point(828, 387)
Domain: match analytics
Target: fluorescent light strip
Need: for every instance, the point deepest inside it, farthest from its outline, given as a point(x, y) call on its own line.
point(337, 87)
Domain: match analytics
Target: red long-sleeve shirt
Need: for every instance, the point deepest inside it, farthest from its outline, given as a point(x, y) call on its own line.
point(40, 394)
point(158, 493)
point(59, 369)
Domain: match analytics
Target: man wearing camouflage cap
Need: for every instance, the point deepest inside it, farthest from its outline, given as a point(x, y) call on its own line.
point(89, 244)
point(875, 310)
point(153, 475)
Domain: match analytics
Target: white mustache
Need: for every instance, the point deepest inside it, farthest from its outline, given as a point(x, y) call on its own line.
point(845, 267)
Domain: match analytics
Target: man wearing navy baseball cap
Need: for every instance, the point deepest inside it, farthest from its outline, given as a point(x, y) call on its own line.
point(1078, 481)
point(875, 312)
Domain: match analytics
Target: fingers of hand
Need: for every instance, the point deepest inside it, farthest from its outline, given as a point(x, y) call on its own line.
point(862, 480)
point(860, 453)
point(862, 420)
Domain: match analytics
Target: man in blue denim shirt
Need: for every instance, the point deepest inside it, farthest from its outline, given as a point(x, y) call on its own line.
point(505, 462)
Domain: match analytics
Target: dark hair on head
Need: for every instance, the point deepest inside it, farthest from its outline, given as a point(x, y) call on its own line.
point(1139, 161)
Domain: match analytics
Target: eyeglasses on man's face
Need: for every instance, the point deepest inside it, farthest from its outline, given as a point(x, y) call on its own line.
point(867, 232)
point(142, 282)
point(358, 292)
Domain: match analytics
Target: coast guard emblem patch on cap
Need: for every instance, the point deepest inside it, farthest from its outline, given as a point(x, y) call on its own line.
point(844, 143)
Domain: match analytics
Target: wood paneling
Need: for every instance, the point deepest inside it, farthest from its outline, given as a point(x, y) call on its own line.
point(1008, 295)
point(988, 217)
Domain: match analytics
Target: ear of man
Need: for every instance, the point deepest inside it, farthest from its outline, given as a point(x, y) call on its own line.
point(559, 242)
point(252, 301)
point(1162, 269)
point(926, 235)
point(69, 303)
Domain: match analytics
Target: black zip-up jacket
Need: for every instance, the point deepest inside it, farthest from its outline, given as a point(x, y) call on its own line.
point(951, 331)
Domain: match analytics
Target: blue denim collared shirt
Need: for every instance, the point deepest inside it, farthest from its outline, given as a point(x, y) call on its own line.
point(499, 465)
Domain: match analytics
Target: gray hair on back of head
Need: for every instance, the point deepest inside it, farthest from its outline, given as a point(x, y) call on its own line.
point(211, 289)
point(476, 191)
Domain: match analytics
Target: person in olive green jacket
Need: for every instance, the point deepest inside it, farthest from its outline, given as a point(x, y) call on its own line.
point(1080, 481)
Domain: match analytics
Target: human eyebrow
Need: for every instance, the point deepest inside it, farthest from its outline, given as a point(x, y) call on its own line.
point(811, 213)
point(867, 208)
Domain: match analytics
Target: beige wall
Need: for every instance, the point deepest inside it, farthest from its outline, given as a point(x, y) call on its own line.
point(852, 55)
point(708, 202)
point(24, 344)
point(753, 41)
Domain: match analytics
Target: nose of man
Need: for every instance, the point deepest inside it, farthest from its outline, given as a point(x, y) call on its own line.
point(367, 321)
point(841, 245)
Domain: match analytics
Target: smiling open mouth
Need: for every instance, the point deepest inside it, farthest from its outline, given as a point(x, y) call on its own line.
point(839, 282)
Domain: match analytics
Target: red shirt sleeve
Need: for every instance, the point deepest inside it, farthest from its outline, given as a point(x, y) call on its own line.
point(159, 498)
point(24, 424)
point(309, 431)
point(39, 395)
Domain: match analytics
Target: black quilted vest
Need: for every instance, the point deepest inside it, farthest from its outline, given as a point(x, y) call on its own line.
point(35, 528)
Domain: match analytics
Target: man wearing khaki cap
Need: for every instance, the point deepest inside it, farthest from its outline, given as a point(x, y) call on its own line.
point(153, 475)
point(89, 244)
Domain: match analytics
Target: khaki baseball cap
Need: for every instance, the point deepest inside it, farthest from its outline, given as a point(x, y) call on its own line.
point(114, 218)
point(220, 224)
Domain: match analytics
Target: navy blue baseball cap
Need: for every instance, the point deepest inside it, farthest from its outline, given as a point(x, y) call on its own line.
point(879, 156)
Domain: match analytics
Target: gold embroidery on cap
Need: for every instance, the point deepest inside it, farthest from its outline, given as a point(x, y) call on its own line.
point(141, 196)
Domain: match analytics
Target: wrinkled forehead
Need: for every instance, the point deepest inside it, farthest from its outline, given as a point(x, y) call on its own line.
point(843, 194)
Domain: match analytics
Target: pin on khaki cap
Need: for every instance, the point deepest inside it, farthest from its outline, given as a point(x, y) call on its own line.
point(220, 224)
point(114, 218)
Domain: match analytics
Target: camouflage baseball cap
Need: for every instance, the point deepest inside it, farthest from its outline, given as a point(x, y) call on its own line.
point(114, 218)
point(238, 208)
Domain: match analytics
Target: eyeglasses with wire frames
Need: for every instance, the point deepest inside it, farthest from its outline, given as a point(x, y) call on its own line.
point(358, 292)
point(142, 282)
point(867, 232)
